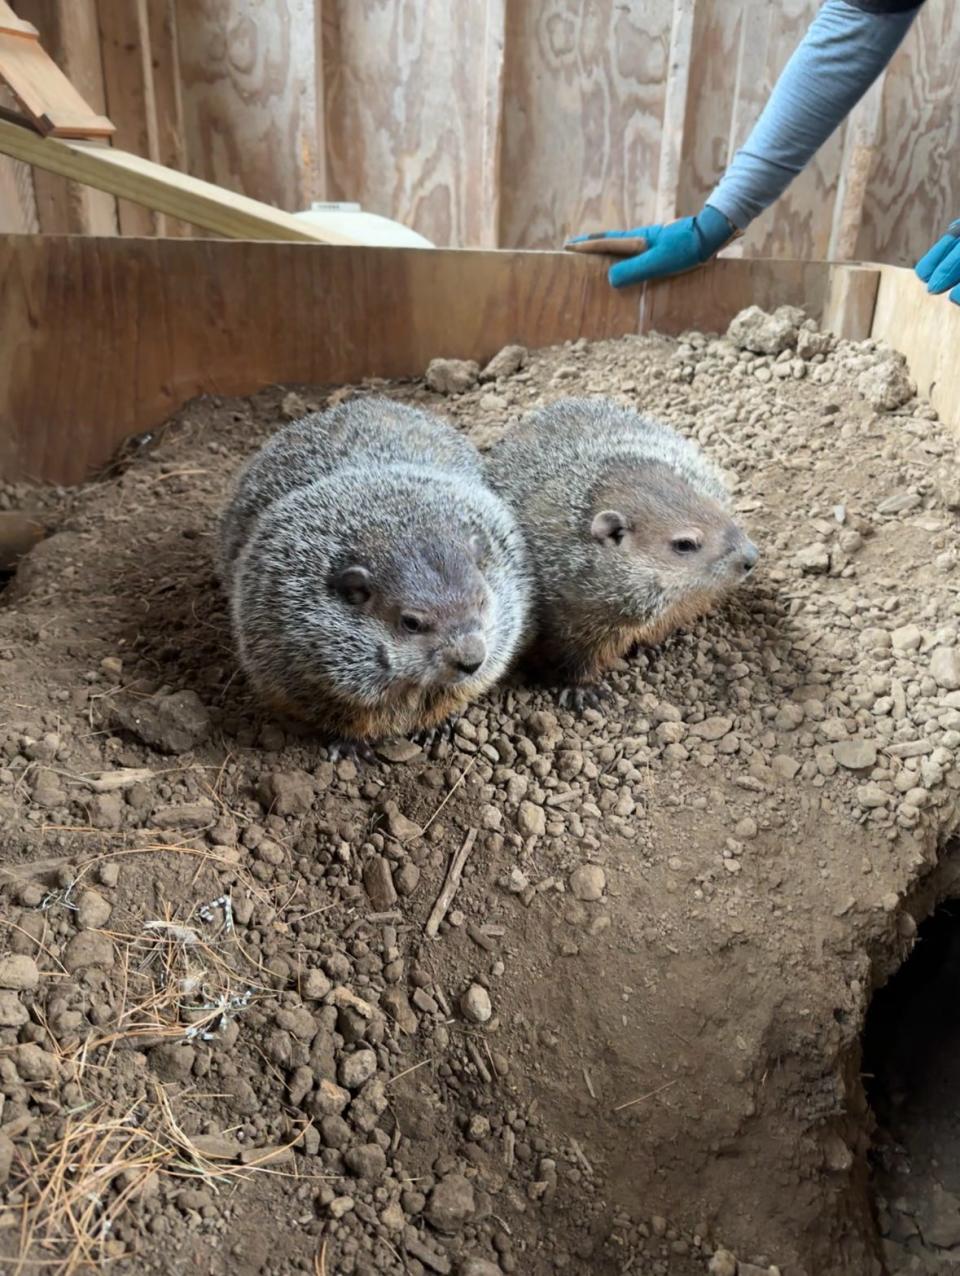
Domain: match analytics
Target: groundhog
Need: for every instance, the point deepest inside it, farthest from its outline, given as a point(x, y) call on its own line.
point(627, 527)
point(376, 585)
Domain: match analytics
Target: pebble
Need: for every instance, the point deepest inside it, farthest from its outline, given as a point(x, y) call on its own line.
point(394, 1002)
point(19, 973)
point(723, 1263)
point(357, 1068)
point(315, 985)
point(287, 792)
point(945, 668)
point(378, 883)
point(451, 376)
point(86, 949)
point(93, 911)
point(451, 1204)
point(479, 1267)
point(399, 826)
point(406, 878)
point(173, 723)
point(368, 1161)
point(856, 755)
point(475, 1004)
point(712, 728)
point(531, 820)
point(13, 1014)
point(588, 882)
point(814, 559)
point(872, 796)
point(505, 363)
point(35, 1064)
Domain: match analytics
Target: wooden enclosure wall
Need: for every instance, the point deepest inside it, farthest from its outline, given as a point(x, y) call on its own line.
point(498, 122)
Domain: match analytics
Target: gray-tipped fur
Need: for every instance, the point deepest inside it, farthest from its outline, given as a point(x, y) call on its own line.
point(603, 496)
point(346, 527)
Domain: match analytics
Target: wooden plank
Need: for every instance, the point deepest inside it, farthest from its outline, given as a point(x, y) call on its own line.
point(249, 73)
point(167, 96)
point(128, 76)
point(68, 30)
point(715, 56)
point(914, 187)
point(413, 104)
point(177, 318)
point(851, 302)
point(41, 87)
point(859, 150)
point(18, 202)
point(675, 109)
point(584, 101)
point(926, 329)
point(162, 189)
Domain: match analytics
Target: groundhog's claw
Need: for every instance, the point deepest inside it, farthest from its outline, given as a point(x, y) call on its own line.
point(355, 750)
point(434, 735)
point(580, 698)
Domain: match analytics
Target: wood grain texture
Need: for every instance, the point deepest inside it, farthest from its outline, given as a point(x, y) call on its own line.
point(860, 139)
point(249, 82)
point(927, 330)
point(675, 103)
point(177, 318)
point(128, 77)
point(167, 97)
point(69, 32)
point(914, 187)
point(412, 96)
point(585, 87)
point(716, 55)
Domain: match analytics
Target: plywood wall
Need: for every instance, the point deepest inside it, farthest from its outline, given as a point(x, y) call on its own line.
point(498, 122)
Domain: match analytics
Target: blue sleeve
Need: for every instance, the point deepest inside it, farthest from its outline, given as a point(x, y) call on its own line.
point(838, 59)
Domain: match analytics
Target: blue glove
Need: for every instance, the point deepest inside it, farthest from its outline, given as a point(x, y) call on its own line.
point(656, 251)
point(940, 267)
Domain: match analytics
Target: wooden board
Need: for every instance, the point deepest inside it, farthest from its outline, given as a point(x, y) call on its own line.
point(914, 187)
point(250, 102)
point(413, 99)
point(49, 98)
point(583, 107)
point(167, 96)
point(927, 330)
point(18, 201)
point(68, 31)
point(161, 188)
point(128, 77)
point(177, 318)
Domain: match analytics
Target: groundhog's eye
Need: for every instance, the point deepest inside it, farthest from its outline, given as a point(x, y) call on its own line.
point(684, 545)
point(412, 624)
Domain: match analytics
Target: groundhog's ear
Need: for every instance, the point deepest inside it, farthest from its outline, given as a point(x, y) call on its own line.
point(353, 584)
point(479, 547)
point(609, 525)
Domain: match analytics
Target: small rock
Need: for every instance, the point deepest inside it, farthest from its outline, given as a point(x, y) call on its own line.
point(941, 1222)
point(871, 796)
point(753, 329)
point(906, 638)
point(398, 750)
point(315, 985)
point(47, 790)
point(814, 560)
point(6, 1158)
point(505, 363)
point(292, 406)
point(475, 1004)
point(328, 1099)
point(945, 668)
point(88, 948)
point(93, 911)
point(35, 1064)
point(479, 1267)
point(588, 882)
point(19, 973)
point(394, 1002)
point(531, 820)
point(12, 1013)
point(452, 376)
point(886, 386)
point(184, 815)
point(287, 792)
point(172, 1061)
point(340, 1205)
point(451, 1204)
point(407, 878)
point(723, 1263)
point(368, 1161)
point(856, 755)
point(712, 728)
point(378, 883)
point(172, 723)
point(356, 1069)
point(398, 825)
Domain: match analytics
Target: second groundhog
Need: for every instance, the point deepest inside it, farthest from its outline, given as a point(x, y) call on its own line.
point(627, 526)
point(376, 585)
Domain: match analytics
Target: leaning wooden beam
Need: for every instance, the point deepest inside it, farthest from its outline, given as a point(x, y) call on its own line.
point(49, 98)
point(162, 189)
point(134, 328)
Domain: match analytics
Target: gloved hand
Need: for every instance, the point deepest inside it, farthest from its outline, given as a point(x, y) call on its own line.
point(656, 251)
point(940, 267)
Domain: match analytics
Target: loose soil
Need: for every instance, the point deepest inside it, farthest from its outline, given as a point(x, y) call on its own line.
point(226, 1042)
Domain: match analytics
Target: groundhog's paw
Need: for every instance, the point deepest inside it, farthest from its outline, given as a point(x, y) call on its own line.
point(355, 750)
point(580, 698)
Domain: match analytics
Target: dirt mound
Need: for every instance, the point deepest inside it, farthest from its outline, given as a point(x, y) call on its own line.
point(227, 1040)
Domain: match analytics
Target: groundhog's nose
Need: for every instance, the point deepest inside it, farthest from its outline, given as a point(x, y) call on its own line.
point(748, 557)
point(469, 653)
